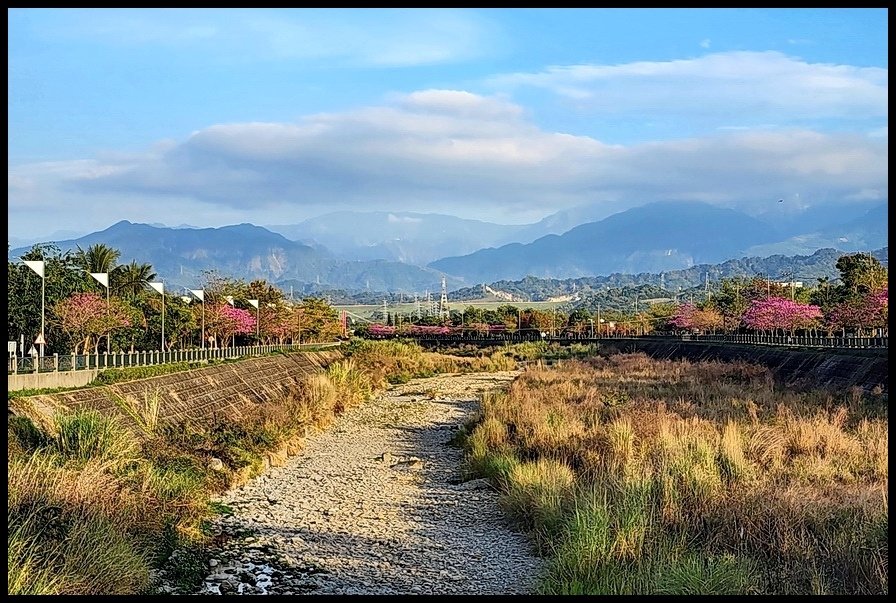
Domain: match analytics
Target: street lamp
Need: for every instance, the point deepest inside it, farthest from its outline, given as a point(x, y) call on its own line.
point(200, 295)
point(103, 279)
point(38, 267)
point(254, 304)
point(160, 287)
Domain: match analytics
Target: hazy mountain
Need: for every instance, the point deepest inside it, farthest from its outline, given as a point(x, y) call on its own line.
point(868, 231)
point(650, 238)
point(565, 220)
point(15, 241)
point(180, 255)
point(409, 237)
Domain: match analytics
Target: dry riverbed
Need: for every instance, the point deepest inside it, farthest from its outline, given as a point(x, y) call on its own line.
point(375, 505)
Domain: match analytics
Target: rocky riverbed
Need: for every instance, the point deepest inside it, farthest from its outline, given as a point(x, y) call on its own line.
point(376, 504)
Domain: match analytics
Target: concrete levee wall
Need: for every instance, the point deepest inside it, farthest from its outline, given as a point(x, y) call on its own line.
point(195, 396)
point(823, 367)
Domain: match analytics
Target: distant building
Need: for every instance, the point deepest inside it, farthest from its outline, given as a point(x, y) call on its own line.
point(794, 284)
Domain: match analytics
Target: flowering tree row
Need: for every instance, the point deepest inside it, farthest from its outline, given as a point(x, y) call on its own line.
point(774, 314)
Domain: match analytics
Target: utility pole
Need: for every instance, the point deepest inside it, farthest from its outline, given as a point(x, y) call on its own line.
point(598, 320)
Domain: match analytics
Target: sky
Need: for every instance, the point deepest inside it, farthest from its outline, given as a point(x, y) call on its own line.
point(209, 117)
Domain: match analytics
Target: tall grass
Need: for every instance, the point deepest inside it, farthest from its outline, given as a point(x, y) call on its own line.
point(95, 502)
point(690, 478)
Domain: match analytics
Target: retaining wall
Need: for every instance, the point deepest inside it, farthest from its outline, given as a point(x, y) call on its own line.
point(195, 396)
point(822, 367)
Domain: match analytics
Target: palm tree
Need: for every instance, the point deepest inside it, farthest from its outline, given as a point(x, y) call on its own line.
point(130, 279)
point(97, 258)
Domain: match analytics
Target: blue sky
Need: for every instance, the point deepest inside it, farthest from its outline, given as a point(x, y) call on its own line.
point(217, 116)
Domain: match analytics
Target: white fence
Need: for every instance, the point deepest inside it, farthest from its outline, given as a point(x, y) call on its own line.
point(76, 362)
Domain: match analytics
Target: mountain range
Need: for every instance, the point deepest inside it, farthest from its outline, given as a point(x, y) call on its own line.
point(394, 251)
point(651, 238)
point(180, 256)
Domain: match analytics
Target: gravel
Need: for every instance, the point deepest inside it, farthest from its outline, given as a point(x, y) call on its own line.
point(375, 504)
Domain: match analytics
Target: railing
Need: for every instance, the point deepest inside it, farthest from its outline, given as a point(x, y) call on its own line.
point(77, 362)
point(752, 339)
point(795, 340)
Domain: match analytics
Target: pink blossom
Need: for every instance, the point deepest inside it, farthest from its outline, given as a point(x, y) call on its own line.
point(780, 313)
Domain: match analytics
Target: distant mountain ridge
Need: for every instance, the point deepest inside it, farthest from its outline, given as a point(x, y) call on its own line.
point(653, 237)
point(409, 237)
point(180, 255)
point(778, 268)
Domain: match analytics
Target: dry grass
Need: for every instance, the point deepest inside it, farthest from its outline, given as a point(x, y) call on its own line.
point(93, 505)
point(684, 461)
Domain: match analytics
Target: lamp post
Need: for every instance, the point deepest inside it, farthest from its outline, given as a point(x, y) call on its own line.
point(160, 287)
point(200, 295)
point(38, 267)
point(254, 304)
point(103, 279)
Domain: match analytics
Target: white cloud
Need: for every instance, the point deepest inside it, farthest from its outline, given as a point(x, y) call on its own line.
point(705, 43)
point(759, 84)
point(446, 151)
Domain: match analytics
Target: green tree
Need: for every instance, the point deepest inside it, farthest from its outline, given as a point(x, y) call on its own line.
point(97, 258)
point(129, 280)
point(63, 278)
point(860, 273)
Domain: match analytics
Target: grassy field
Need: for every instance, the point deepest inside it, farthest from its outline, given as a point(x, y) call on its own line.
point(639, 476)
point(368, 311)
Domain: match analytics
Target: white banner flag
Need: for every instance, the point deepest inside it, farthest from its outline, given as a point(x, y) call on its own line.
point(158, 286)
point(36, 265)
point(253, 303)
point(199, 293)
point(229, 299)
point(102, 278)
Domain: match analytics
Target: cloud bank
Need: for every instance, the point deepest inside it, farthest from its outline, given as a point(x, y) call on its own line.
point(449, 151)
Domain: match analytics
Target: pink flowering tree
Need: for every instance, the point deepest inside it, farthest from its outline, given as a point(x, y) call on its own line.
point(86, 319)
point(683, 318)
point(277, 324)
point(868, 311)
point(223, 322)
point(776, 313)
point(689, 317)
point(378, 330)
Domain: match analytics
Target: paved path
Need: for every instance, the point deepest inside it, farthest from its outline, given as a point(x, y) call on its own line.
point(375, 505)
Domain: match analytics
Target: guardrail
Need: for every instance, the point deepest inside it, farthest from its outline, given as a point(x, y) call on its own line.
point(75, 362)
point(752, 339)
point(795, 340)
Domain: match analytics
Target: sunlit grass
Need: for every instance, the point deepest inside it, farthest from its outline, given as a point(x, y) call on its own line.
point(690, 478)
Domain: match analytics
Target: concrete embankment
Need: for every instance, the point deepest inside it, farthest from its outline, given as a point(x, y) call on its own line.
point(199, 395)
point(865, 368)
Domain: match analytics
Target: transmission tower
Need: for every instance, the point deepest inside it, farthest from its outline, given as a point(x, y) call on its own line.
point(443, 302)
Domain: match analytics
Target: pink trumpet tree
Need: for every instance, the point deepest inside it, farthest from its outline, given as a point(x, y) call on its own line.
point(86, 318)
point(776, 313)
point(224, 322)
